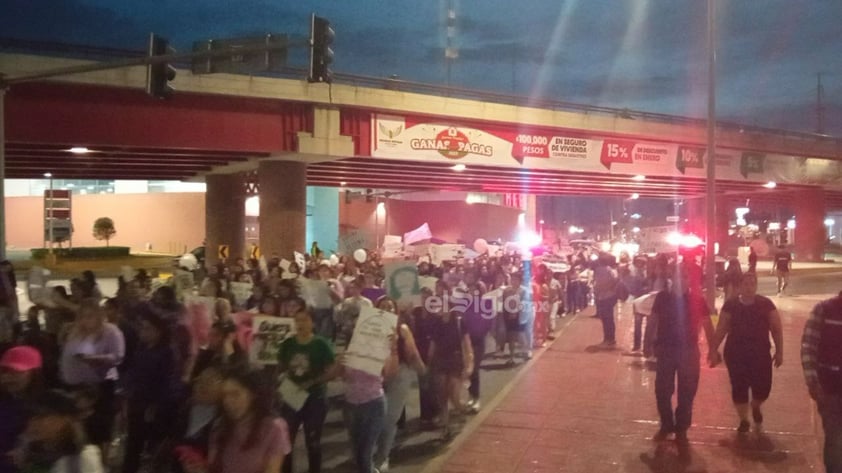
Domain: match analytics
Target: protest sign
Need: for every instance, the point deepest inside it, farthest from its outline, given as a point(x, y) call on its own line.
point(370, 346)
point(402, 284)
point(446, 252)
point(36, 287)
point(351, 241)
point(428, 281)
point(419, 234)
point(267, 334)
point(300, 261)
point(127, 272)
point(241, 292)
point(392, 240)
point(201, 313)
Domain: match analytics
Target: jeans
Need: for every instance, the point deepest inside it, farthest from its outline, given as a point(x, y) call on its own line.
point(605, 311)
point(312, 415)
point(427, 397)
point(365, 422)
point(685, 364)
point(478, 344)
point(397, 390)
point(830, 410)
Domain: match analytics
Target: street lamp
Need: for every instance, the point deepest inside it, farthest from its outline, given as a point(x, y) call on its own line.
point(49, 175)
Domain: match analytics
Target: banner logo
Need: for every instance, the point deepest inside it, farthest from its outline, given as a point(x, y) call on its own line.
point(452, 144)
point(616, 152)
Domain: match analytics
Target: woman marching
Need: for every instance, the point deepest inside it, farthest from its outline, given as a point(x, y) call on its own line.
point(747, 321)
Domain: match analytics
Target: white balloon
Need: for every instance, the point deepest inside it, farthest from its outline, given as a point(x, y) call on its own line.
point(480, 245)
point(334, 260)
point(360, 255)
point(189, 262)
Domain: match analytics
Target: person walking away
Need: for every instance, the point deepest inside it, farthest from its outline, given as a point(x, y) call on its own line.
point(477, 320)
point(308, 362)
point(365, 407)
point(781, 266)
point(605, 297)
point(821, 360)
point(747, 320)
point(731, 279)
point(677, 316)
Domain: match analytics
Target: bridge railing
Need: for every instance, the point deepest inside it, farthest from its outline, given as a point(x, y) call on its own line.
point(97, 53)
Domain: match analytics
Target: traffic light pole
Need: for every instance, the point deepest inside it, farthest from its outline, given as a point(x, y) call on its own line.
point(6, 82)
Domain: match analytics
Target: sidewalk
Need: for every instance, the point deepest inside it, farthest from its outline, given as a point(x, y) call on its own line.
point(578, 410)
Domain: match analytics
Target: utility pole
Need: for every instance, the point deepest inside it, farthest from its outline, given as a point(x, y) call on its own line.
point(710, 197)
point(819, 104)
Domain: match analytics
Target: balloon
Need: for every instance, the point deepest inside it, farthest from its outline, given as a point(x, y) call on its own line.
point(480, 245)
point(189, 262)
point(334, 260)
point(360, 255)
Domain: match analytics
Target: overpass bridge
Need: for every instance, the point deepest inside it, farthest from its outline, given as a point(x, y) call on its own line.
point(382, 133)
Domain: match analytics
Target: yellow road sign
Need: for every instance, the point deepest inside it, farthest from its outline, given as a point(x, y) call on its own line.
point(223, 252)
point(255, 252)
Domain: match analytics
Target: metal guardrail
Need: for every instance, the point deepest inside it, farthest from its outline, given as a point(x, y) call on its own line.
point(97, 53)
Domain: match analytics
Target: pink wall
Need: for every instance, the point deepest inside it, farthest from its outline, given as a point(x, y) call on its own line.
point(171, 222)
point(448, 220)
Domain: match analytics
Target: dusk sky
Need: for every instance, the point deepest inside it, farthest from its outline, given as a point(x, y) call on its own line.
point(640, 54)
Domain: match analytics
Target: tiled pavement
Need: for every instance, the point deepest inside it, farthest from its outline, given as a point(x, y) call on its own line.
point(578, 410)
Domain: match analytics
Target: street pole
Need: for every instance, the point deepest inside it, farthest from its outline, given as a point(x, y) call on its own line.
point(710, 254)
point(2, 171)
point(50, 232)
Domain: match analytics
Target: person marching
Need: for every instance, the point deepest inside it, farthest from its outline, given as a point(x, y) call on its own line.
point(747, 321)
point(821, 359)
point(677, 315)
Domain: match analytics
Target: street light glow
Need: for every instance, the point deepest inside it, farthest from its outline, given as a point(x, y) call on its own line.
point(770, 185)
point(829, 222)
point(639, 177)
point(458, 167)
point(635, 196)
point(48, 175)
point(79, 150)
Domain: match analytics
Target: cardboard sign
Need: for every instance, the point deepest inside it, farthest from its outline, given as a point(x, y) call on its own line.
point(446, 252)
point(370, 346)
point(267, 335)
point(402, 284)
point(241, 292)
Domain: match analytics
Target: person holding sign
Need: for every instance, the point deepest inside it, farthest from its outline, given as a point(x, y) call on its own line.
point(372, 357)
point(307, 362)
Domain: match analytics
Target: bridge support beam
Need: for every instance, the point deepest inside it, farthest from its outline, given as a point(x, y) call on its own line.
point(225, 217)
point(810, 231)
point(283, 207)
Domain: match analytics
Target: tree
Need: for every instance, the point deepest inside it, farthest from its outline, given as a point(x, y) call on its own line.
point(104, 229)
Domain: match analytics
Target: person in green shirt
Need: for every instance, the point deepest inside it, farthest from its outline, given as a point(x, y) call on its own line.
point(308, 361)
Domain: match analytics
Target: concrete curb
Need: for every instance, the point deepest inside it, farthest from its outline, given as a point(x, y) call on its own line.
point(435, 465)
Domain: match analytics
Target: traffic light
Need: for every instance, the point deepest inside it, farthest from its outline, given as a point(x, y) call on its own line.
point(321, 56)
point(159, 75)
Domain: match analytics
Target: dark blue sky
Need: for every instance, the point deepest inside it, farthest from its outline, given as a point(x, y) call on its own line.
point(640, 54)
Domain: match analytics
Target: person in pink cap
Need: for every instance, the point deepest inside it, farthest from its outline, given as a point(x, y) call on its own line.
point(20, 382)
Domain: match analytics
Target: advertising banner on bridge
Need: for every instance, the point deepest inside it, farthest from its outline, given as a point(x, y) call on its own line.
point(426, 139)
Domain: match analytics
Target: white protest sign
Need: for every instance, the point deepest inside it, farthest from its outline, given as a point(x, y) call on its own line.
point(446, 252)
point(300, 260)
point(315, 293)
point(419, 234)
point(370, 346)
point(36, 286)
point(392, 240)
point(267, 334)
point(555, 267)
point(495, 250)
point(285, 264)
point(241, 292)
point(392, 251)
point(428, 281)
